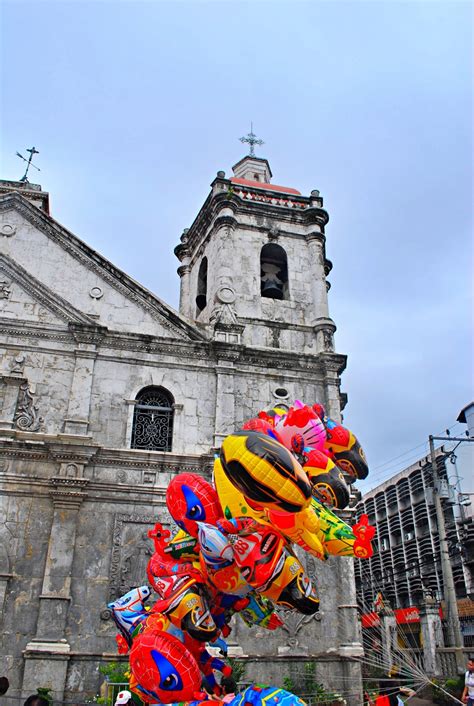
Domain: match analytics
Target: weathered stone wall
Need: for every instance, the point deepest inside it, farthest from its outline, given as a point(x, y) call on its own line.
point(75, 538)
point(103, 545)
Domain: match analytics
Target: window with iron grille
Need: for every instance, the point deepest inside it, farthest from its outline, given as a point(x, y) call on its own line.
point(153, 420)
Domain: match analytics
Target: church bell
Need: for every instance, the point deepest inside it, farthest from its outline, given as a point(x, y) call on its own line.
point(273, 290)
point(201, 301)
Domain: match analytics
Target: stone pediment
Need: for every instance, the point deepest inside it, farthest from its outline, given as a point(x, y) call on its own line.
point(24, 298)
point(84, 278)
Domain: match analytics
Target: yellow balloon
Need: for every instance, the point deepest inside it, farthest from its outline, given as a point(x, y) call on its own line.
point(265, 471)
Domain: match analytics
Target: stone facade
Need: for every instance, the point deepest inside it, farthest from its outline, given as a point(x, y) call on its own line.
point(79, 340)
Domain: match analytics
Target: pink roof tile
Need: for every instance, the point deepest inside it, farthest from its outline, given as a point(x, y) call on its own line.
point(262, 185)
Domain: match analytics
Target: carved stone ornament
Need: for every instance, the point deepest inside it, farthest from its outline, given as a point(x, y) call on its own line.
point(131, 550)
point(105, 614)
point(226, 294)
point(292, 624)
point(96, 293)
point(224, 314)
point(5, 290)
point(26, 416)
point(18, 365)
point(274, 233)
point(7, 230)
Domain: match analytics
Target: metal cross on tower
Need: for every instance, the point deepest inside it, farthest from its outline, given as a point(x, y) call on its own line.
point(252, 140)
point(32, 152)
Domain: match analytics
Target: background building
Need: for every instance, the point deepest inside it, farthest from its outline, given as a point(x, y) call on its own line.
point(406, 565)
point(106, 393)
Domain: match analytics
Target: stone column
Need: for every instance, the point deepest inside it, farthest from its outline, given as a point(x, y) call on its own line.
point(315, 240)
point(324, 330)
point(5, 576)
point(184, 271)
point(47, 654)
point(349, 630)
point(432, 633)
point(388, 629)
point(185, 304)
point(225, 399)
point(88, 339)
point(332, 365)
point(179, 435)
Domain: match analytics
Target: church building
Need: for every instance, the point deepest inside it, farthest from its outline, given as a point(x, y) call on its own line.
point(106, 393)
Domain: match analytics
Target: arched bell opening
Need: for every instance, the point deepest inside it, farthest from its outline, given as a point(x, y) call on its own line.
point(274, 272)
point(201, 297)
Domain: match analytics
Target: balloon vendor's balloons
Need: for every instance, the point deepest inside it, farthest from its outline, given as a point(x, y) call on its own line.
point(274, 485)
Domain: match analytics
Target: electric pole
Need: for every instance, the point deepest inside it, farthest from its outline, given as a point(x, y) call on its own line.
point(452, 616)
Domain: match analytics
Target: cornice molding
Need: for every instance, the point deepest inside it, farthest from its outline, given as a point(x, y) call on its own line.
point(63, 450)
point(26, 329)
point(88, 333)
point(282, 325)
point(222, 199)
point(158, 460)
point(333, 362)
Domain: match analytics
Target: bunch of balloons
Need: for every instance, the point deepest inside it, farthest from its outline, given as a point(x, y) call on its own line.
point(274, 484)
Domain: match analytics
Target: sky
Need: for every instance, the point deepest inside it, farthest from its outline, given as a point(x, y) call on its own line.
point(134, 107)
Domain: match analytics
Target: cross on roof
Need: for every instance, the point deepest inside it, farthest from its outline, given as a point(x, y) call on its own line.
point(32, 152)
point(252, 140)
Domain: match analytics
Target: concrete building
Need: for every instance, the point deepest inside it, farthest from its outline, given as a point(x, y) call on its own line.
point(106, 393)
point(406, 566)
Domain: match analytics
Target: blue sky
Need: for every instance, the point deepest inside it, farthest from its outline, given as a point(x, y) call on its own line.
point(135, 106)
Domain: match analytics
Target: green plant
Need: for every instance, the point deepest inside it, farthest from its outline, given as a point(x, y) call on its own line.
point(239, 667)
point(45, 693)
point(307, 687)
point(115, 673)
point(453, 685)
point(289, 684)
point(309, 677)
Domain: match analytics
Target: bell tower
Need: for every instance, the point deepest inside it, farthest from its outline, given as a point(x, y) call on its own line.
point(253, 264)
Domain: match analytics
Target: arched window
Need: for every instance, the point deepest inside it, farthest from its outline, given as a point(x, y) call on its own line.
point(201, 298)
point(153, 420)
point(273, 272)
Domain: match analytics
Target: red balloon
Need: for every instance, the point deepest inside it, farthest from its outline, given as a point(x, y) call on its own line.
point(164, 668)
point(192, 499)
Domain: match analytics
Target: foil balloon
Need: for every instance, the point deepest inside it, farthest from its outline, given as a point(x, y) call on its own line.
point(327, 480)
point(255, 695)
point(180, 585)
point(271, 570)
point(273, 488)
point(300, 527)
point(129, 611)
point(163, 668)
point(344, 447)
point(191, 499)
point(265, 471)
point(218, 562)
point(266, 696)
point(301, 428)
